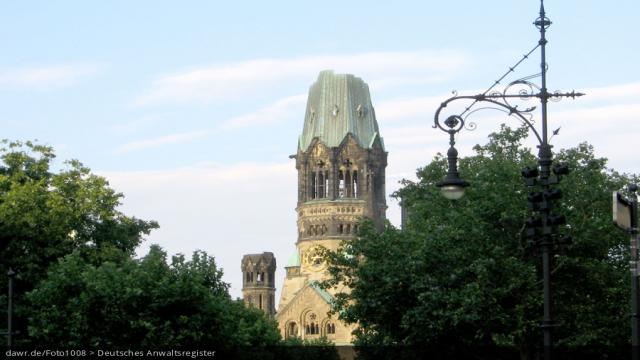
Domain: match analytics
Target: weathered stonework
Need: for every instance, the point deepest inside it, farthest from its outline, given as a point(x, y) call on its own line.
point(258, 281)
point(341, 178)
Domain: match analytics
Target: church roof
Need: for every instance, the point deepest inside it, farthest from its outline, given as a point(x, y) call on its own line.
point(339, 104)
point(323, 293)
point(312, 287)
point(265, 259)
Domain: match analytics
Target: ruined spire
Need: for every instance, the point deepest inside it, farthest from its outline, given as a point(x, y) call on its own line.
point(339, 104)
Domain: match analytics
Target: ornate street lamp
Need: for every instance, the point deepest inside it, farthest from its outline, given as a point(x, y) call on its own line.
point(541, 228)
point(452, 186)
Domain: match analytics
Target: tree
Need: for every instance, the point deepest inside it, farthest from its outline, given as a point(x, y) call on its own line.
point(45, 216)
point(145, 304)
point(78, 283)
point(462, 276)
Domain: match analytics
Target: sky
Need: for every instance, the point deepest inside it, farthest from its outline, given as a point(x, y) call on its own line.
point(192, 108)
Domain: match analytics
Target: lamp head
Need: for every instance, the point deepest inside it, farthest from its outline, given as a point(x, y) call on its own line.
point(452, 187)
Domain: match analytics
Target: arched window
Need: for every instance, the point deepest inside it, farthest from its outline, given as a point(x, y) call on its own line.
point(260, 301)
point(320, 182)
point(331, 328)
point(313, 328)
point(292, 330)
point(326, 184)
point(307, 329)
point(354, 178)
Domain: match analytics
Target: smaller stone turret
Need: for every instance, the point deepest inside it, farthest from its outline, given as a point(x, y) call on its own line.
point(258, 281)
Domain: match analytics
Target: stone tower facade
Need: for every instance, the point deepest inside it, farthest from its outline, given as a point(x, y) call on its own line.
point(341, 165)
point(258, 281)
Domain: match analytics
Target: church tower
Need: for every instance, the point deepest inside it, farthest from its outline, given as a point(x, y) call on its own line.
point(258, 281)
point(341, 178)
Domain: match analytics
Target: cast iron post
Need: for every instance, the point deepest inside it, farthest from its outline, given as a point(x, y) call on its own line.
point(635, 297)
point(11, 274)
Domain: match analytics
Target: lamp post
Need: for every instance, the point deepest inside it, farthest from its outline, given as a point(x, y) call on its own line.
point(635, 299)
point(11, 275)
point(542, 226)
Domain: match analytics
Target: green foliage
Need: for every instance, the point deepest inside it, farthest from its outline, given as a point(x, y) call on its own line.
point(461, 275)
point(143, 303)
point(45, 216)
point(78, 285)
point(296, 341)
point(309, 349)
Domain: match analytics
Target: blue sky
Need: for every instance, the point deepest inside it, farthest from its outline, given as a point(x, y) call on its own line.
point(191, 108)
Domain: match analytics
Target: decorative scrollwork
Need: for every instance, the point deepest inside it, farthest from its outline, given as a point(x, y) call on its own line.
point(505, 100)
point(452, 121)
point(542, 21)
point(559, 95)
point(455, 123)
point(470, 125)
point(525, 91)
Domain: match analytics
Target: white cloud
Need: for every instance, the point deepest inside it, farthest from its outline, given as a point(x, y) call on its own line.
point(233, 81)
point(409, 108)
point(162, 140)
point(47, 77)
point(227, 210)
point(139, 124)
point(281, 110)
point(618, 93)
point(410, 136)
point(205, 174)
point(599, 116)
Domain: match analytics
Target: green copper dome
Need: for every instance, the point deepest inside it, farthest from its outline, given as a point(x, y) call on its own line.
point(339, 104)
point(294, 260)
